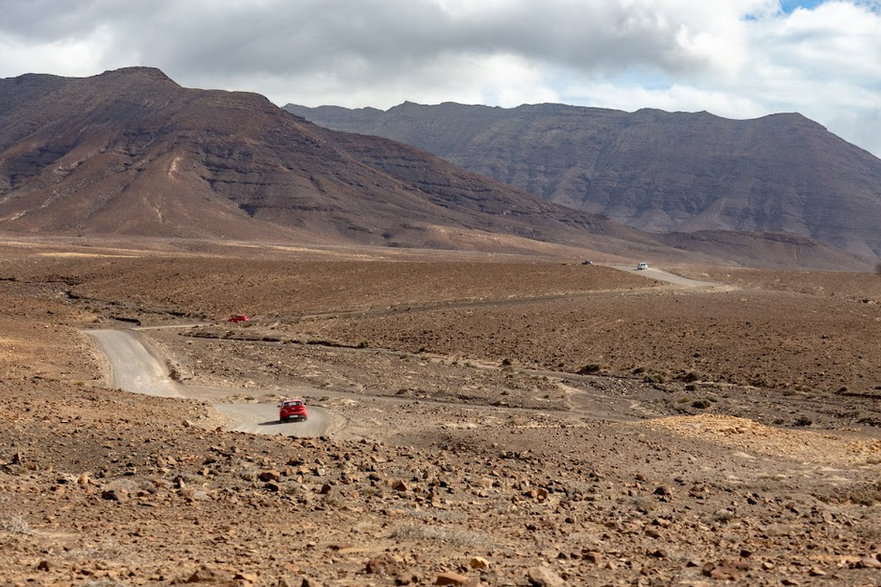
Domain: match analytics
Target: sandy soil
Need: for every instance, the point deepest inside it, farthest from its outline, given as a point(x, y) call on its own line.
point(503, 421)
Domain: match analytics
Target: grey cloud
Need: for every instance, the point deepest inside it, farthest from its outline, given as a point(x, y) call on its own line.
point(369, 36)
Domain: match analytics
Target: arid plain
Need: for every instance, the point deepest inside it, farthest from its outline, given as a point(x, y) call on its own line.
point(494, 419)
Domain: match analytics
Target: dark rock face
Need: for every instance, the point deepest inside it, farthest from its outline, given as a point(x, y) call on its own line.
point(653, 170)
point(131, 152)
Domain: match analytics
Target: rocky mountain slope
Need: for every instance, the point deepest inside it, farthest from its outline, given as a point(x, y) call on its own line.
point(653, 170)
point(132, 152)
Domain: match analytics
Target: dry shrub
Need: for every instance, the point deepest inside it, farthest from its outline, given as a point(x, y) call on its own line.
point(439, 534)
point(15, 525)
point(867, 494)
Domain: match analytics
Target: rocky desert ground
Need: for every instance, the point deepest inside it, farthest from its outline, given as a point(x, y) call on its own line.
point(493, 420)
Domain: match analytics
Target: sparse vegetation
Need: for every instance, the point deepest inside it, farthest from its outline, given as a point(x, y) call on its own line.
point(689, 377)
point(15, 525)
point(656, 378)
point(590, 369)
point(440, 534)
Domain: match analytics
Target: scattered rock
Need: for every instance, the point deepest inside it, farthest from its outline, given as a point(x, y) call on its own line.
point(269, 475)
point(205, 575)
point(869, 562)
point(408, 577)
point(119, 495)
point(544, 577)
point(451, 579)
point(384, 565)
point(726, 570)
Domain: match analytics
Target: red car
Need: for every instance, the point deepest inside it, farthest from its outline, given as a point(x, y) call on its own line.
point(237, 318)
point(293, 408)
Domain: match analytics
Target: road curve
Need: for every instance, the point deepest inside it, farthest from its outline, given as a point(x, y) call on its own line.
point(134, 367)
point(672, 278)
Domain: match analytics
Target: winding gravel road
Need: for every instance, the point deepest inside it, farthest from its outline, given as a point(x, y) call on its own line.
point(135, 367)
point(672, 278)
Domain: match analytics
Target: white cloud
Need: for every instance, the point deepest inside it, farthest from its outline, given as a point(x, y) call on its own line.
point(737, 58)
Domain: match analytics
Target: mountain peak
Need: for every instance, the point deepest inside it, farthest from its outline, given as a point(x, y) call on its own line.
point(657, 170)
point(139, 73)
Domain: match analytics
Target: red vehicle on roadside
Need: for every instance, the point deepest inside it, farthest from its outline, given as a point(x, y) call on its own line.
point(237, 318)
point(293, 408)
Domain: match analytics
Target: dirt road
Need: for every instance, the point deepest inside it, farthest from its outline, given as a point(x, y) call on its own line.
point(672, 278)
point(132, 366)
point(135, 367)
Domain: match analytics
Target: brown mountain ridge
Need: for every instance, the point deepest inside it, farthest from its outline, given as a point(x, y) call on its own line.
point(130, 152)
point(653, 170)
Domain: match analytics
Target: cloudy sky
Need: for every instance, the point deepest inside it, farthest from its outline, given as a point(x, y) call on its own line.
point(734, 58)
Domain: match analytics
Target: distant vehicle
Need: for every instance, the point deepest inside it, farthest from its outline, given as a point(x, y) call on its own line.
point(237, 318)
point(587, 262)
point(642, 266)
point(293, 408)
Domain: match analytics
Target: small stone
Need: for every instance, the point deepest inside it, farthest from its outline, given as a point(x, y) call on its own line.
point(206, 575)
point(269, 475)
point(869, 562)
point(451, 579)
point(407, 578)
point(118, 495)
point(727, 570)
point(478, 562)
point(725, 573)
point(544, 577)
point(592, 557)
point(400, 486)
point(246, 577)
point(43, 566)
point(383, 565)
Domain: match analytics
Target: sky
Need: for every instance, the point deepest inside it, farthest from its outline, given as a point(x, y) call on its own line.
point(733, 58)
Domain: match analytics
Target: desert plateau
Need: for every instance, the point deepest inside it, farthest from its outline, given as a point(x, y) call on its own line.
point(482, 418)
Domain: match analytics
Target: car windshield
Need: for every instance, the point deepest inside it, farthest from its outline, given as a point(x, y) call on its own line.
point(288, 404)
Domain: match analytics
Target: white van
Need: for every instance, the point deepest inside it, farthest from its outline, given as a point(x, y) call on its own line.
point(642, 266)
